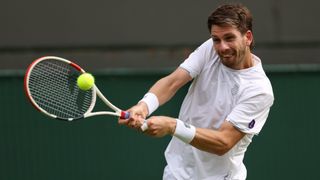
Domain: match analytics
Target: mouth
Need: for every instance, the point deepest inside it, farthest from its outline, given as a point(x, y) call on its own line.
point(226, 56)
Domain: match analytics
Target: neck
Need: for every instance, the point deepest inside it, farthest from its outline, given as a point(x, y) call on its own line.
point(247, 61)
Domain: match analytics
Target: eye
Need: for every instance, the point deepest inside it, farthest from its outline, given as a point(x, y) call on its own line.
point(229, 38)
point(216, 40)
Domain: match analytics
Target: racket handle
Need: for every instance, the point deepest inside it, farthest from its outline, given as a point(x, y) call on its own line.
point(144, 125)
point(125, 115)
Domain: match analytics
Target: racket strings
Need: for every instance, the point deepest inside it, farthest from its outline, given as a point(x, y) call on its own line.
point(53, 86)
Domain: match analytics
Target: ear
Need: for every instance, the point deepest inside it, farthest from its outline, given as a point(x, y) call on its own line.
point(249, 37)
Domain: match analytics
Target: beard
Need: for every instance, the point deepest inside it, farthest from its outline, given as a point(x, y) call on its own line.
point(233, 58)
point(228, 58)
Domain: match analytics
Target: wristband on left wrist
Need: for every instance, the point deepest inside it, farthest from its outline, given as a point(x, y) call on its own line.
point(185, 132)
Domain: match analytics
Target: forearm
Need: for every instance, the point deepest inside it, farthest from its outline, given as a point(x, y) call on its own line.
point(217, 141)
point(204, 139)
point(167, 87)
point(156, 96)
point(210, 141)
point(164, 90)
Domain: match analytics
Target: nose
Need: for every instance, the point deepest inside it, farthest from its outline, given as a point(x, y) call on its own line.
point(224, 46)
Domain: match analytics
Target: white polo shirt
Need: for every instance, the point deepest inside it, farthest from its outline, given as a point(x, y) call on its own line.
point(218, 93)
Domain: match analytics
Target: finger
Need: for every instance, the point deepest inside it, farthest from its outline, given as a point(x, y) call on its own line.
point(133, 123)
point(123, 121)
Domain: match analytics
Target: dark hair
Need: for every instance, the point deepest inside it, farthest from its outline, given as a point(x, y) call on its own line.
point(235, 15)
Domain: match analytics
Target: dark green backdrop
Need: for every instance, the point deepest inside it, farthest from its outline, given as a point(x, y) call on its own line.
point(34, 147)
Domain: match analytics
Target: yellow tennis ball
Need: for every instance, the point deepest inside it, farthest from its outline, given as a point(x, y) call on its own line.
point(85, 81)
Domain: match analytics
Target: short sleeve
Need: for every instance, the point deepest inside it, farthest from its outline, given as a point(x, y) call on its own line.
point(251, 113)
point(197, 59)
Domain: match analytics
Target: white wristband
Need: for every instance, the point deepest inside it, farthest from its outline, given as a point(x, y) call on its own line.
point(185, 132)
point(152, 102)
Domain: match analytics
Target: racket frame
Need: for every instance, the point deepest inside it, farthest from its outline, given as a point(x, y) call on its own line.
point(95, 92)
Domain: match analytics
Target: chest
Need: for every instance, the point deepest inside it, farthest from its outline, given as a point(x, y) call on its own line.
point(218, 86)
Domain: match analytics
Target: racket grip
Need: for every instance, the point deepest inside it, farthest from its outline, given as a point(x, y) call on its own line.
point(125, 115)
point(144, 125)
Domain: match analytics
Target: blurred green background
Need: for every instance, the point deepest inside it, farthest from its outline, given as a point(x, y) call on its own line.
point(35, 147)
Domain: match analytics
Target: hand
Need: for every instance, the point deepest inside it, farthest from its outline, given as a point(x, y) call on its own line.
point(159, 126)
point(138, 113)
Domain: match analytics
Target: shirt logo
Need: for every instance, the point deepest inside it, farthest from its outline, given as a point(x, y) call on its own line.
point(235, 89)
point(251, 124)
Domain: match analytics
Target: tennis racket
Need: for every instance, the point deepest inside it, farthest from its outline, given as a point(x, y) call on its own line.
point(51, 86)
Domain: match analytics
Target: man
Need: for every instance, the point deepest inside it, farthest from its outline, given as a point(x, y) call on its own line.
point(227, 103)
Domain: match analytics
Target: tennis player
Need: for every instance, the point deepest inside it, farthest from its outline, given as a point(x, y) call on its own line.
point(227, 103)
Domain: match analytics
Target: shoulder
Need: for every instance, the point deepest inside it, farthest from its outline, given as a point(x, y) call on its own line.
point(199, 58)
point(206, 46)
point(259, 91)
point(257, 83)
point(257, 78)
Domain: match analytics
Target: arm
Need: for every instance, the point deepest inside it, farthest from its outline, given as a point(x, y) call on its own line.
point(218, 141)
point(164, 89)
